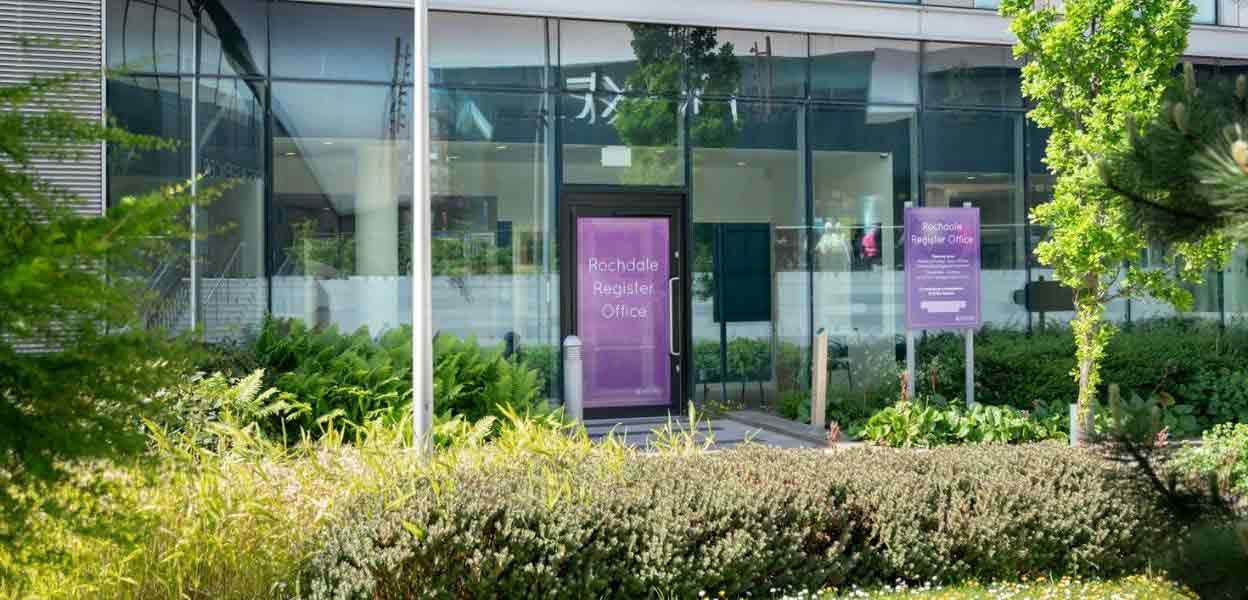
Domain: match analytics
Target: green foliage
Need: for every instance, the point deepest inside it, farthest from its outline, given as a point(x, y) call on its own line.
point(77, 366)
point(475, 383)
point(1192, 369)
point(1222, 459)
point(1172, 169)
point(744, 522)
point(1087, 109)
point(923, 424)
point(325, 376)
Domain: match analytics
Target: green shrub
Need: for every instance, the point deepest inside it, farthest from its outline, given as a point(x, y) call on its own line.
point(1182, 362)
point(744, 522)
point(923, 424)
point(326, 376)
point(1221, 459)
point(471, 381)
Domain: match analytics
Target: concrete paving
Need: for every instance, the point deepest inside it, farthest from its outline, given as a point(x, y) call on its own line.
point(727, 431)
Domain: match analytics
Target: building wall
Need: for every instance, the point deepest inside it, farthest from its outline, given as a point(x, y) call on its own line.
point(75, 25)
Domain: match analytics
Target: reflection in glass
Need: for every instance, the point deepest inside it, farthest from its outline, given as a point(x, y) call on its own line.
point(613, 58)
point(750, 289)
point(157, 106)
point(486, 50)
point(369, 43)
point(864, 69)
point(494, 273)
point(863, 176)
point(976, 159)
point(150, 36)
point(969, 75)
point(235, 38)
point(231, 154)
point(623, 140)
point(342, 181)
point(767, 64)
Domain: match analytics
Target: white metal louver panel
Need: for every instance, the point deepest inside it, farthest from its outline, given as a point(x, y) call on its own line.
point(76, 24)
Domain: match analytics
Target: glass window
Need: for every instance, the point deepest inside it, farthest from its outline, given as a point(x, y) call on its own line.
point(157, 106)
point(611, 58)
point(626, 140)
point(988, 4)
point(750, 63)
point(342, 183)
point(751, 291)
point(967, 75)
point(1206, 12)
point(864, 69)
point(235, 37)
point(863, 174)
point(368, 43)
point(150, 36)
point(976, 159)
point(491, 50)
point(494, 272)
point(231, 154)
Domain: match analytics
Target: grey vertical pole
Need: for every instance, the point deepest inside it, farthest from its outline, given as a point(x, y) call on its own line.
point(573, 380)
point(970, 353)
point(910, 360)
point(970, 367)
point(196, 280)
point(422, 280)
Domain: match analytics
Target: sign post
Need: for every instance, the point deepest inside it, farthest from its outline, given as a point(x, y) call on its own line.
point(942, 278)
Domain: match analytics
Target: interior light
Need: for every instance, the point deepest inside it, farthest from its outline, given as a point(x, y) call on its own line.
point(971, 178)
point(328, 143)
point(292, 154)
point(741, 164)
point(453, 157)
point(500, 147)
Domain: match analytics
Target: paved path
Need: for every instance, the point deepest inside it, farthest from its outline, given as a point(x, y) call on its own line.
point(727, 431)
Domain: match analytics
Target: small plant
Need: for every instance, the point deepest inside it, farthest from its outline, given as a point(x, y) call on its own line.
point(928, 423)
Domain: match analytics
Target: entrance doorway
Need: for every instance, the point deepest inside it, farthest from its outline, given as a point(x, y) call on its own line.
point(624, 296)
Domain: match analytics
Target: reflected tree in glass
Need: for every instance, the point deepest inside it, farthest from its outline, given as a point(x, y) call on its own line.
point(668, 57)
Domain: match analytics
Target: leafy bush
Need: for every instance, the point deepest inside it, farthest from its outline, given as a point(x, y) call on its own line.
point(1221, 459)
point(909, 424)
point(475, 383)
point(326, 376)
point(744, 522)
point(1181, 362)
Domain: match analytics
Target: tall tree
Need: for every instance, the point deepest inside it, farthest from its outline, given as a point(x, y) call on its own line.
point(1092, 66)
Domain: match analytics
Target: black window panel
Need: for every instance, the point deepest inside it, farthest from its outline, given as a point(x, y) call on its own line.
point(969, 75)
point(864, 69)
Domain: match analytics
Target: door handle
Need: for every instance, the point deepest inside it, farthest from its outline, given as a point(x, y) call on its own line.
point(671, 316)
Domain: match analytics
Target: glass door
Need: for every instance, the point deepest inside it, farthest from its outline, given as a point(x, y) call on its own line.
point(626, 298)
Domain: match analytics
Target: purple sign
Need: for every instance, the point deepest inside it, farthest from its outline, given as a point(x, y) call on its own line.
point(622, 310)
point(942, 268)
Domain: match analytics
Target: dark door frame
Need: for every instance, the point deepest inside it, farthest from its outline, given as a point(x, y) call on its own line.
point(630, 201)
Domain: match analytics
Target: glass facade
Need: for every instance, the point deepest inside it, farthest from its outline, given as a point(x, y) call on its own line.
point(797, 155)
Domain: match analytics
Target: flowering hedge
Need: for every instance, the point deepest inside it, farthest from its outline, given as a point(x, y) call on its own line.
point(742, 522)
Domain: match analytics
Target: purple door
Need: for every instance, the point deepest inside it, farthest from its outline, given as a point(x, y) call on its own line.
point(625, 292)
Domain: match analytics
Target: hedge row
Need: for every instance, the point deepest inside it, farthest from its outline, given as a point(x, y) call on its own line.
point(741, 522)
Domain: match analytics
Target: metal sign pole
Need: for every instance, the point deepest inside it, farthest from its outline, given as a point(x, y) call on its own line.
point(422, 280)
point(910, 363)
point(970, 367)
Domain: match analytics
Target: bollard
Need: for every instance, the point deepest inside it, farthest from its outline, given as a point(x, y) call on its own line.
point(1081, 430)
point(573, 380)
